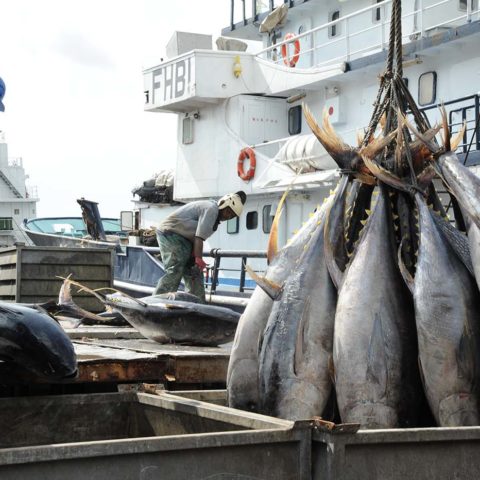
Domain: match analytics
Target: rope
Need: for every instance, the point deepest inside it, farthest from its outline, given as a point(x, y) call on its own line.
point(398, 37)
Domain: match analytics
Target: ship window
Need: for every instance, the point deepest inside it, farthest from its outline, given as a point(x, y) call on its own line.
point(295, 120)
point(233, 225)
point(377, 12)
point(427, 88)
point(187, 130)
point(267, 218)
point(16, 211)
point(6, 223)
point(252, 220)
point(334, 30)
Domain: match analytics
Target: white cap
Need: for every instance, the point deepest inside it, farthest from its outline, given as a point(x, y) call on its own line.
point(233, 201)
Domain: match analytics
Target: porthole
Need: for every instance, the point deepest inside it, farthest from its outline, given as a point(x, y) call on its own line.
point(427, 88)
point(334, 30)
point(252, 220)
point(233, 225)
point(295, 120)
point(187, 130)
point(267, 218)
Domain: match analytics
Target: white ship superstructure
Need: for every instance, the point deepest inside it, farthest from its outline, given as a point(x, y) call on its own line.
point(227, 100)
point(17, 201)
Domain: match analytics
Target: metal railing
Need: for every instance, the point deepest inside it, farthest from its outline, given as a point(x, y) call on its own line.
point(252, 10)
point(465, 109)
point(213, 277)
point(15, 161)
point(355, 42)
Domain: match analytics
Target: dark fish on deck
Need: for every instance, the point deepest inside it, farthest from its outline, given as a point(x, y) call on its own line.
point(36, 342)
point(177, 321)
point(296, 352)
point(165, 320)
point(447, 313)
point(242, 375)
point(374, 352)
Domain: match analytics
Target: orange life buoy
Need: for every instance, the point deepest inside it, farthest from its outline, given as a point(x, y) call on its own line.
point(290, 62)
point(245, 153)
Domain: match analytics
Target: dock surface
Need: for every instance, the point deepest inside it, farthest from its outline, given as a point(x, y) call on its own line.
point(122, 355)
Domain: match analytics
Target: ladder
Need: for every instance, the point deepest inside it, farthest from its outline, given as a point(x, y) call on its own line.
point(10, 185)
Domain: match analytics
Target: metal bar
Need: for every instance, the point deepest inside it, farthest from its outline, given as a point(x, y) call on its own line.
point(232, 8)
point(216, 268)
point(254, 10)
point(477, 115)
point(347, 40)
point(422, 31)
point(217, 252)
point(450, 102)
point(242, 274)
point(244, 13)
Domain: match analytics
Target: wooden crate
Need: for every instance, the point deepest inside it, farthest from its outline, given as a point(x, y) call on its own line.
point(30, 274)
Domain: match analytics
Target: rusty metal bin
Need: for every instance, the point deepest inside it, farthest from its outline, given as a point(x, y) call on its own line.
point(141, 436)
point(420, 454)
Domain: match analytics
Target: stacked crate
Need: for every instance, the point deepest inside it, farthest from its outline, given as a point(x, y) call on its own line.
point(31, 274)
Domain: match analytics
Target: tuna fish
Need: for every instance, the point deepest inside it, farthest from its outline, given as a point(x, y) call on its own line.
point(447, 313)
point(473, 235)
point(374, 343)
point(35, 341)
point(242, 375)
point(297, 346)
point(165, 320)
point(177, 321)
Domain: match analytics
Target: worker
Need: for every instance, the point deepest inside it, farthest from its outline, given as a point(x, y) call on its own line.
point(181, 236)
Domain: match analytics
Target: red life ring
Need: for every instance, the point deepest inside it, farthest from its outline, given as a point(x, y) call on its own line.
point(291, 62)
point(245, 153)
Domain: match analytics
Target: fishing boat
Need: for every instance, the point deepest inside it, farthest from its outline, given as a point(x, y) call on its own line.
point(328, 56)
point(298, 51)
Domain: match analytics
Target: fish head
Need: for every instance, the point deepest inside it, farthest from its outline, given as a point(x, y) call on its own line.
point(36, 342)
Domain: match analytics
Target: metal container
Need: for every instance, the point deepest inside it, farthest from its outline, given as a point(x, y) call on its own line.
point(141, 436)
point(420, 454)
point(30, 274)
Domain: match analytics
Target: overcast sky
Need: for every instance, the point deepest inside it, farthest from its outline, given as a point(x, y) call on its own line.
point(74, 93)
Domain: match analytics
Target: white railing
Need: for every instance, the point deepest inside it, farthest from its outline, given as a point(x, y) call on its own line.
point(355, 42)
point(15, 162)
point(32, 191)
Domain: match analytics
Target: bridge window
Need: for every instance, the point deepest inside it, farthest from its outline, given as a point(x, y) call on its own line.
point(427, 88)
point(267, 218)
point(6, 223)
point(233, 225)
point(252, 220)
point(295, 120)
point(334, 30)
